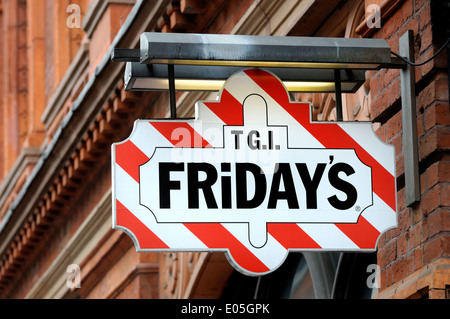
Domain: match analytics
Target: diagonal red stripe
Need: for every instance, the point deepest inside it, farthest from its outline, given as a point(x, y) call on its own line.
point(229, 109)
point(146, 238)
point(129, 157)
point(291, 236)
point(180, 134)
point(363, 234)
point(383, 181)
point(214, 235)
point(330, 135)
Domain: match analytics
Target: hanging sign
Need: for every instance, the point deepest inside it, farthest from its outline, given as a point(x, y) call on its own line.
point(254, 177)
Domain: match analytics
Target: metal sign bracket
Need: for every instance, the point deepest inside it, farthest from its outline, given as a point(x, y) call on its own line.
point(409, 121)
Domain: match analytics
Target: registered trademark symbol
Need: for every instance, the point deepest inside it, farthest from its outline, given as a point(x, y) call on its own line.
point(357, 208)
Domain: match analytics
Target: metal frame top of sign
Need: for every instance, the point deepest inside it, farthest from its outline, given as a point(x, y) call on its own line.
point(155, 77)
point(211, 58)
point(263, 51)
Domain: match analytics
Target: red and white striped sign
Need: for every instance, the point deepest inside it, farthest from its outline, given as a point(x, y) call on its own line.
point(254, 177)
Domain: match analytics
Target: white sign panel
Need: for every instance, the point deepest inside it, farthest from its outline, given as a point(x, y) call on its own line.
point(253, 176)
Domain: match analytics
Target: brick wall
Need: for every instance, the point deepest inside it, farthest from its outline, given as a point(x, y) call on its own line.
point(422, 235)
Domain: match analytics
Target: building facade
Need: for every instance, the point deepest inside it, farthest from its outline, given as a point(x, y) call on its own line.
point(64, 104)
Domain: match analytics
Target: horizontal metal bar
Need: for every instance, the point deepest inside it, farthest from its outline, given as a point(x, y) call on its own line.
point(396, 63)
point(319, 52)
point(352, 79)
point(125, 55)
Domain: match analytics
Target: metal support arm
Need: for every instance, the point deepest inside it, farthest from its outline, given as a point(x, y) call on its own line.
point(409, 118)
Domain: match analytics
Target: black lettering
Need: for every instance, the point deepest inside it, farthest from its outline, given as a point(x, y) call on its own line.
point(289, 194)
point(226, 186)
point(165, 184)
point(252, 143)
point(241, 185)
point(194, 184)
point(311, 184)
point(344, 186)
point(270, 140)
point(236, 137)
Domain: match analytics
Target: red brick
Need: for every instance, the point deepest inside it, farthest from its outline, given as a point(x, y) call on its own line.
point(414, 238)
point(439, 221)
point(444, 198)
point(423, 183)
point(427, 144)
point(179, 21)
point(426, 40)
point(437, 294)
point(420, 125)
point(396, 140)
point(401, 199)
point(392, 24)
point(427, 96)
point(394, 125)
point(438, 172)
point(440, 61)
point(419, 3)
point(379, 104)
point(390, 75)
point(424, 17)
point(443, 137)
point(381, 132)
point(416, 214)
point(383, 278)
point(432, 175)
point(425, 230)
point(412, 25)
point(429, 117)
point(442, 113)
point(438, 138)
point(394, 91)
point(402, 267)
point(446, 246)
point(443, 172)
point(393, 42)
point(430, 201)
point(381, 240)
point(389, 276)
point(433, 249)
point(407, 10)
point(442, 89)
point(422, 70)
point(401, 244)
point(398, 270)
point(387, 254)
point(375, 84)
point(399, 165)
point(418, 258)
point(404, 222)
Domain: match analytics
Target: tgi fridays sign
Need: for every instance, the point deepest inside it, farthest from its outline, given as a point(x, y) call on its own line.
point(254, 177)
